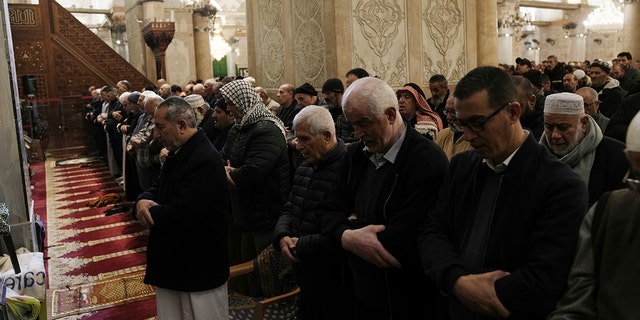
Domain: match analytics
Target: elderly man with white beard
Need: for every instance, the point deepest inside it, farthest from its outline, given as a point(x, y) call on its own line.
point(576, 139)
point(603, 282)
point(450, 138)
point(439, 87)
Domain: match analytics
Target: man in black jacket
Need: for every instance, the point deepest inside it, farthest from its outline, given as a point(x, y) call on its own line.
point(503, 235)
point(324, 293)
point(387, 183)
point(186, 212)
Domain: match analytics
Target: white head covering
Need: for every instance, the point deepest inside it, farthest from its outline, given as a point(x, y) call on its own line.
point(633, 134)
point(579, 74)
point(196, 101)
point(123, 96)
point(564, 103)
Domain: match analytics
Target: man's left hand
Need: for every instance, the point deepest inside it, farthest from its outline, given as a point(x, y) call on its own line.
point(364, 242)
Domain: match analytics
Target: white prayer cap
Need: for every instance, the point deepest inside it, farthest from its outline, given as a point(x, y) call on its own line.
point(633, 134)
point(564, 103)
point(579, 74)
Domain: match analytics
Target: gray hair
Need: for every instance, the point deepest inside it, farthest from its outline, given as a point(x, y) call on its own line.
point(376, 93)
point(319, 119)
point(178, 109)
point(153, 99)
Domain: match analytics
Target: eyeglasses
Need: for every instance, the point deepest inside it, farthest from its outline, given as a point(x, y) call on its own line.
point(477, 125)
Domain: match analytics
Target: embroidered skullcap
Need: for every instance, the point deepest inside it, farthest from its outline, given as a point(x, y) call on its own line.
point(564, 103)
point(306, 88)
point(333, 85)
point(579, 74)
point(134, 97)
point(602, 65)
point(196, 101)
point(633, 134)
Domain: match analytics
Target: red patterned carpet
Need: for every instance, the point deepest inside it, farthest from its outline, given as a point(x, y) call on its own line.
point(87, 250)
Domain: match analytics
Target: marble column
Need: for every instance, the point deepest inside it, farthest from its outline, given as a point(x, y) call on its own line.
point(204, 68)
point(505, 50)
point(487, 33)
point(630, 35)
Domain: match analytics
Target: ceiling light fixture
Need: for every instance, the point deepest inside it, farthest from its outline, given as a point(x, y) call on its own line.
point(608, 18)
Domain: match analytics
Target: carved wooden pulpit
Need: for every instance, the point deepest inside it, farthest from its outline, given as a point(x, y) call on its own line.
point(158, 36)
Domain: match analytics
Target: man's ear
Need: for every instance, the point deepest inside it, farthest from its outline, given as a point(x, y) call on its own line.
point(326, 135)
point(391, 114)
point(182, 125)
point(515, 110)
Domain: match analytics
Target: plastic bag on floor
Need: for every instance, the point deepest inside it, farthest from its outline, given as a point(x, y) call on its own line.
point(32, 280)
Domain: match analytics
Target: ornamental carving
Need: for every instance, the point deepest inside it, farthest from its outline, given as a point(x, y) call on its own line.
point(307, 9)
point(29, 56)
point(272, 51)
point(273, 56)
point(309, 52)
point(379, 21)
point(270, 13)
point(310, 47)
point(24, 16)
point(443, 20)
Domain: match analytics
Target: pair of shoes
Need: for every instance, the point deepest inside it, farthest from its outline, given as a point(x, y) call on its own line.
point(115, 210)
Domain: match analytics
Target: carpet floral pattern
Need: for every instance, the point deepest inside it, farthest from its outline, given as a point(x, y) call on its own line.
point(88, 251)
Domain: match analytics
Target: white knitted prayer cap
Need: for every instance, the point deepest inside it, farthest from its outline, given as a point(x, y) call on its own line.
point(564, 103)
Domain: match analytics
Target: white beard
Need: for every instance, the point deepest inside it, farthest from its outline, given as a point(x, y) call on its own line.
point(199, 118)
point(436, 101)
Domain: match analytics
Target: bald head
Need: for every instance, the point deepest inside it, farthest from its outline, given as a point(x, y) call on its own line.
point(591, 102)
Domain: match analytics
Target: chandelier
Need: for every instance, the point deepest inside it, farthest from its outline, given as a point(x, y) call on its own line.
point(516, 21)
point(219, 46)
point(607, 18)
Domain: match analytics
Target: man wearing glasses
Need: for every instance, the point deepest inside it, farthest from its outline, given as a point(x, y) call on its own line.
point(501, 239)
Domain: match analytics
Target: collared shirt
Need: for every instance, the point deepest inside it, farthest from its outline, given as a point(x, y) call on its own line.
point(504, 163)
point(380, 159)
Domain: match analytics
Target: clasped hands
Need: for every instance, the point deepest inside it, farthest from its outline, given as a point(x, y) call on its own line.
point(477, 292)
point(364, 243)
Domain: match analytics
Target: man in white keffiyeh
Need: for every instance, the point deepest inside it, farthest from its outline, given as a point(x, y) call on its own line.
point(257, 167)
point(246, 105)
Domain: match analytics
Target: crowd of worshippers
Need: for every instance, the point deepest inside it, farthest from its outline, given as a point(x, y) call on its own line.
point(511, 195)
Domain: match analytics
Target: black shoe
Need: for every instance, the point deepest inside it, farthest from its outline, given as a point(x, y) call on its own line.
point(115, 210)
